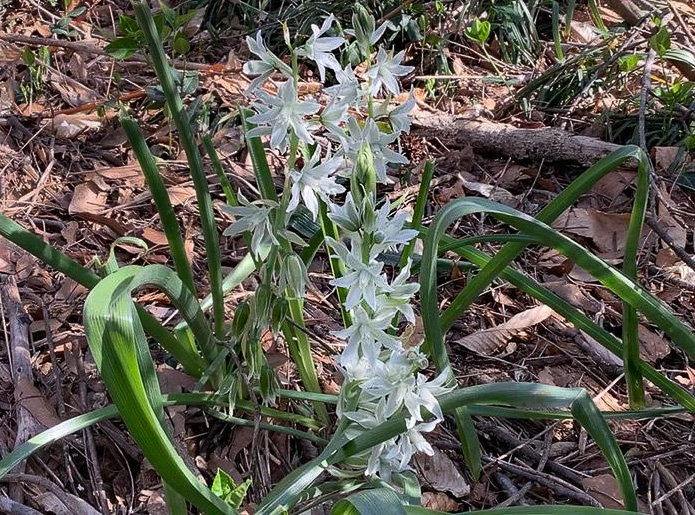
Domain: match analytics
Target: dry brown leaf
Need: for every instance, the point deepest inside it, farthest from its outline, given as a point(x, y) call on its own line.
point(604, 488)
point(68, 126)
point(574, 295)
point(664, 157)
point(87, 198)
point(488, 341)
point(30, 397)
point(180, 194)
point(653, 347)
point(69, 291)
point(70, 90)
point(154, 236)
point(607, 230)
point(440, 473)
point(439, 502)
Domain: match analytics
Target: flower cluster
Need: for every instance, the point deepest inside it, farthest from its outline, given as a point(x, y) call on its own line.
point(350, 141)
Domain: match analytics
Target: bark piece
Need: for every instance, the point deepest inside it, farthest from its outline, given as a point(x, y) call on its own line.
point(484, 136)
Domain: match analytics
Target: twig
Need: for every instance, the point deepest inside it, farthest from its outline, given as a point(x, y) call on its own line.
point(72, 503)
point(666, 238)
point(677, 488)
point(682, 23)
point(91, 448)
point(21, 361)
point(79, 46)
point(7, 505)
point(558, 485)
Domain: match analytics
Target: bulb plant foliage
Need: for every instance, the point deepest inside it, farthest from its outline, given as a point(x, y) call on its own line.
point(337, 152)
point(348, 145)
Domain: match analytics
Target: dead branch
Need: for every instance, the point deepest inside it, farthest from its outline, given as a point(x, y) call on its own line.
point(27, 425)
point(547, 144)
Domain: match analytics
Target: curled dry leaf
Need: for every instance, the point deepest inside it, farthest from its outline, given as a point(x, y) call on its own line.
point(440, 473)
point(68, 126)
point(489, 341)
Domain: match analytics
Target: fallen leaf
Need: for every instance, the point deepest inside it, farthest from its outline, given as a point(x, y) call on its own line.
point(439, 502)
point(441, 473)
point(87, 198)
point(70, 90)
point(604, 488)
point(573, 294)
point(180, 194)
point(68, 126)
point(653, 347)
point(69, 291)
point(488, 341)
point(154, 236)
point(664, 157)
point(607, 230)
point(30, 397)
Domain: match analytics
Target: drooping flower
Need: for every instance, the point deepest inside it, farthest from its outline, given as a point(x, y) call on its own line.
point(348, 88)
point(267, 65)
point(314, 181)
point(319, 49)
point(285, 111)
point(347, 216)
point(385, 71)
point(424, 395)
point(388, 232)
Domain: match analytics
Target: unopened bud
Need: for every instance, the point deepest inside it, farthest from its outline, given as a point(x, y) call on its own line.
point(241, 317)
point(269, 384)
point(364, 176)
point(279, 314)
point(295, 276)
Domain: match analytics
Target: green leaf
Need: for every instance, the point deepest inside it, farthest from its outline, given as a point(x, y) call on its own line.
point(122, 48)
point(627, 63)
point(661, 41)
point(224, 486)
point(529, 510)
point(181, 43)
point(127, 25)
point(377, 501)
point(478, 30)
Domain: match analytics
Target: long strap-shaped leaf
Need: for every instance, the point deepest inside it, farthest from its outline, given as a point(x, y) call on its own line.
point(624, 287)
point(527, 510)
point(120, 350)
point(195, 160)
point(576, 317)
point(185, 354)
point(547, 215)
point(529, 395)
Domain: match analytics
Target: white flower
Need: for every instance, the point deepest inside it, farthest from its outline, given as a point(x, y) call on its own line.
point(319, 48)
point(314, 182)
point(347, 216)
point(367, 334)
point(399, 295)
point(334, 114)
point(385, 71)
point(362, 279)
point(348, 88)
point(379, 143)
point(387, 233)
point(254, 217)
point(285, 112)
point(400, 116)
point(424, 395)
point(266, 66)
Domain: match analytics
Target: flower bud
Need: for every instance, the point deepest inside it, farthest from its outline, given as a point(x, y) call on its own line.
point(364, 177)
point(364, 24)
point(241, 317)
point(264, 298)
point(286, 35)
point(279, 314)
point(294, 275)
point(268, 384)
